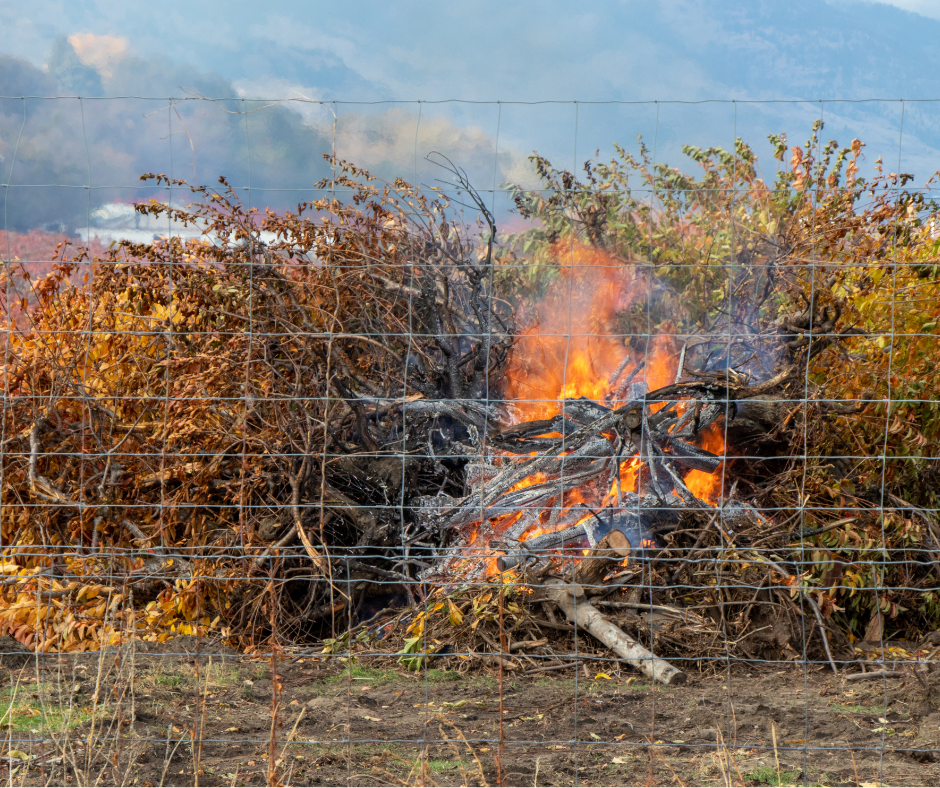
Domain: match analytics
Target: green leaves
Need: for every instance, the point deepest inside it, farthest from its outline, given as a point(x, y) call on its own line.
point(413, 658)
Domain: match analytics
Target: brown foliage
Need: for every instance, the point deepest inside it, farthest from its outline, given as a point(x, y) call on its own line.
point(202, 404)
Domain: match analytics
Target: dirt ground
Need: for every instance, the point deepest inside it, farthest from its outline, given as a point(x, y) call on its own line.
point(356, 723)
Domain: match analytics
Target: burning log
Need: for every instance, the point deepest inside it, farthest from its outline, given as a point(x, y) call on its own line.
point(572, 600)
point(628, 525)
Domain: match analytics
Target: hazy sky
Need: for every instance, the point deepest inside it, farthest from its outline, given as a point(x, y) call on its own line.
point(486, 50)
point(847, 61)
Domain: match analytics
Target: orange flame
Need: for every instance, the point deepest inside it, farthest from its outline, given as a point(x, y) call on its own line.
point(579, 334)
point(707, 486)
point(572, 347)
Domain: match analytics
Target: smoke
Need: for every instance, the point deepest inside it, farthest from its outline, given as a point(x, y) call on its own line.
point(66, 157)
point(396, 142)
point(101, 53)
point(71, 73)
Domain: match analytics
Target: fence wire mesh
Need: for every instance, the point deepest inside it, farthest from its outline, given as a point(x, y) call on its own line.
point(490, 470)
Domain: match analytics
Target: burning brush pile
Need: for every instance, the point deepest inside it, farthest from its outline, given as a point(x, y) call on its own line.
point(594, 436)
point(603, 445)
point(372, 424)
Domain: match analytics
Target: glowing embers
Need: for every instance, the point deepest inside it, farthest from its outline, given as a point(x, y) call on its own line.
point(637, 525)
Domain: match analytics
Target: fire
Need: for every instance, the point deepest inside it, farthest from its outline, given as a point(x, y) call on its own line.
point(528, 481)
point(662, 361)
point(572, 346)
point(586, 338)
point(580, 336)
point(628, 478)
point(707, 486)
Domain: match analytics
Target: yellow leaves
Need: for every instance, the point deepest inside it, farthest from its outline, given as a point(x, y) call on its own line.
point(456, 617)
point(481, 602)
point(172, 312)
point(863, 302)
point(416, 628)
point(765, 223)
point(86, 593)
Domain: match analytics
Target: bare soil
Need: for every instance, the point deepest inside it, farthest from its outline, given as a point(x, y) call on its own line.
point(362, 723)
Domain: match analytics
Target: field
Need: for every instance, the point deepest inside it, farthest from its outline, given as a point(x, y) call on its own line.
point(368, 724)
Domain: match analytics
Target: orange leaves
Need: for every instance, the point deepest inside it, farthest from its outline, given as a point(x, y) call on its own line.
point(796, 159)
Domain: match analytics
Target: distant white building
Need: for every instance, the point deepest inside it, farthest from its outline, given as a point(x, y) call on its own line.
point(118, 221)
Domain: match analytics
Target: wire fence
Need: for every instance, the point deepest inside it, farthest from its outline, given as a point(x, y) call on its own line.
point(523, 471)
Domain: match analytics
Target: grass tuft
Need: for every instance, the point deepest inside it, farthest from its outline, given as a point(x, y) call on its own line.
point(766, 775)
point(24, 714)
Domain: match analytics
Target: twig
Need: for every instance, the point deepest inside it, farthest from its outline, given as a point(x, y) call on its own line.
point(552, 667)
point(830, 527)
point(549, 625)
point(139, 535)
point(578, 610)
point(773, 733)
point(282, 542)
point(40, 484)
point(822, 631)
point(875, 674)
point(642, 606)
point(518, 645)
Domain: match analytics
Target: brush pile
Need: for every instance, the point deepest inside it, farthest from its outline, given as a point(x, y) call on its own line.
point(204, 418)
point(368, 423)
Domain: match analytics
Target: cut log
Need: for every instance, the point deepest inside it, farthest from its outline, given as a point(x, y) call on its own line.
point(590, 571)
point(581, 613)
point(753, 419)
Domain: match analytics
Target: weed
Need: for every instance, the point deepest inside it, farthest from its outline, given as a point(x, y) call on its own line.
point(856, 708)
point(479, 681)
point(556, 683)
point(220, 676)
point(169, 679)
point(765, 775)
point(439, 676)
point(441, 764)
point(356, 671)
